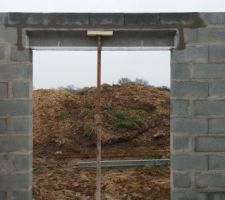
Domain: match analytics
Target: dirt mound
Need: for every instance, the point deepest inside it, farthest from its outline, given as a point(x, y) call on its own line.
point(131, 112)
point(61, 179)
point(135, 126)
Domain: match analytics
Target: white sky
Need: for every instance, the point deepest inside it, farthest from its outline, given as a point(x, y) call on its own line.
point(52, 69)
point(57, 68)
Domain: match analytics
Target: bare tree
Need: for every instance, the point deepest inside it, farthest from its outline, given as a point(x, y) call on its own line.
point(124, 80)
point(141, 81)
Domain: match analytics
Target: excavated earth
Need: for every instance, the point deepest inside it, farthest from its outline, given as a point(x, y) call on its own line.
point(135, 125)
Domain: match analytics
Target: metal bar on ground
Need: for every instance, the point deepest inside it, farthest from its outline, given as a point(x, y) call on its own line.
point(125, 163)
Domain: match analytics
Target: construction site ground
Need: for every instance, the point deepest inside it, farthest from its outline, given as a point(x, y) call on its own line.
point(136, 126)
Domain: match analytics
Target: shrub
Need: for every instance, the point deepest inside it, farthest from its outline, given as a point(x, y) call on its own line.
point(164, 88)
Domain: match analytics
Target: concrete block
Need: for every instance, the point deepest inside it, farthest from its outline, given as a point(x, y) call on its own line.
point(216, 196)
point(3, 90)
point(8, 35)
point(5, 164)
point(189, 125)
point(3, 195)
point(179, 107)
point(188, 89)
point(21, 55)
point(67, 19)
point(216, 162)
point(15, 72)
point(208, 71)
point(216, 54)
point(180, 71)
point(190, 35)
point(26, 18)
point(2, 53)
point(3, 125)
point(217, 89)
point(211, 35)
point(210, 180)
point(18, 181)
point(22, 195)
point(204, 35)
point(15, 143)
point(3, 18)
point(21, 89)
point(189, 196)
point(181, 143)
point(191, 54)
point(15, 107)
point(106, 19)
point(210, 144)
point(189, 162)
point(213, 107)
point(51, 19)
point(217, 125)
point(181, 180)
point(142, 19)
point(22, 162)
point(187, 19)
point(213, 18)
point(15, 163)
point(20, 124)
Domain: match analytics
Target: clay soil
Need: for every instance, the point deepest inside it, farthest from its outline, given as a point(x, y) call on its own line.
point(135, 126)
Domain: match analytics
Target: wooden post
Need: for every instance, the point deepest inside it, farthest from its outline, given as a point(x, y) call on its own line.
point(98, 120)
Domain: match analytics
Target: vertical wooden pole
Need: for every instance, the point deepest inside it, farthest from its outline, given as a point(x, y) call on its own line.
point(98, 120)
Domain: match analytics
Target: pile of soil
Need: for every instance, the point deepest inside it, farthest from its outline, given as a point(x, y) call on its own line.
point(63, 180)
point(133, 114)
point(135, 125)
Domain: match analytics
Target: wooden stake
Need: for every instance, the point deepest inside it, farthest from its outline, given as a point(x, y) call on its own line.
point(98, 120)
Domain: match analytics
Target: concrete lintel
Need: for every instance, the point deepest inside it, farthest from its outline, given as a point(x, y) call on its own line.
point(121, 40)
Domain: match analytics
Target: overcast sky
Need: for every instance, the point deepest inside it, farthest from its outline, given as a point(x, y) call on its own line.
point(61, 68)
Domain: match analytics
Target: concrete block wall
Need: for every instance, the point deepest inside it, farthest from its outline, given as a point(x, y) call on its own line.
point(198, 112)
point(197, 97)
point(15, 116)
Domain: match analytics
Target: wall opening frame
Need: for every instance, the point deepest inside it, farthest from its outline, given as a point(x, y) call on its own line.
point(197, 45)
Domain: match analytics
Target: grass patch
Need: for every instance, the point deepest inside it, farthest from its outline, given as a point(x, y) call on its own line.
point(157, 169)
point(62, 116)
point(148, 107)
point(89, 132)
point(37, 151)
point(122, 119)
